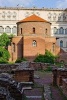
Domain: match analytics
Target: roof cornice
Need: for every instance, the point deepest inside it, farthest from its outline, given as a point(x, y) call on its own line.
point(33, 8)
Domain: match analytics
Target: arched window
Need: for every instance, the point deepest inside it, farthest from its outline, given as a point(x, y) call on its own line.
point(34, 43)
point(1, 29)
point(61, 43)
point(8, 29)
point(55, 30)
point(33, 29)
point(61, 30)
point(66, 31)
point(46, 31)
point(14, 29)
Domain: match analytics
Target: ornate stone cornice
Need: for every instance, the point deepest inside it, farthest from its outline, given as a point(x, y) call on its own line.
point(33, 8)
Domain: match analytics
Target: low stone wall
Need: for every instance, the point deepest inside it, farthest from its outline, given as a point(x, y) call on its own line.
point(7, 67)
point(39, 65)
point(34, 65)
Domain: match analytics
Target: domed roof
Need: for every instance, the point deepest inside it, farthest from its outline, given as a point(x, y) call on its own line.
point(33, 18)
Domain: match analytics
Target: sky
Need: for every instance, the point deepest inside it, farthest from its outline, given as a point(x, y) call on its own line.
point(34, 3)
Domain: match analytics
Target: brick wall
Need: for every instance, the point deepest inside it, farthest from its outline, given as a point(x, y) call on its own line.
point(30, 50)
point(24, 76)
point(18, 48)
point(40, 28)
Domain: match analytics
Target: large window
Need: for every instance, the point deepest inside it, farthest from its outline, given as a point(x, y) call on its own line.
point(61, 30)
point(14, 29)
point(1, 29)
point(55, 30)
point(61, 43)
point(8, 29)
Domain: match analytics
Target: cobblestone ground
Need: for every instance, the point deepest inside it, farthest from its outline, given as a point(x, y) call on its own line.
point(42, 78)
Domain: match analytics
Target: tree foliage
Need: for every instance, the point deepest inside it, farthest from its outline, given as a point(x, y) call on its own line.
point(48, 57)
point(4, 40)
point(4, 53)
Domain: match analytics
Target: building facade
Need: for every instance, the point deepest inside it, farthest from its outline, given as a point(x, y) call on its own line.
point(33, 38)
point(9, 16)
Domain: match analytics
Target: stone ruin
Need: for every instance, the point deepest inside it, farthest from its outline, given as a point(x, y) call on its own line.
point(9, 88)
point(60, 79)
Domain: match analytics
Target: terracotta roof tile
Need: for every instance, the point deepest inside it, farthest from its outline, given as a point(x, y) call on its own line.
point(33, 18)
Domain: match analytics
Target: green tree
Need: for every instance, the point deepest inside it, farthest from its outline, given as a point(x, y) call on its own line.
point(4, 55)
point(4, 40)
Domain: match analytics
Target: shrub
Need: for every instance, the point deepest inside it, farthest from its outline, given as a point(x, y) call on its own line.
point(19, 60)
point(48, 57)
